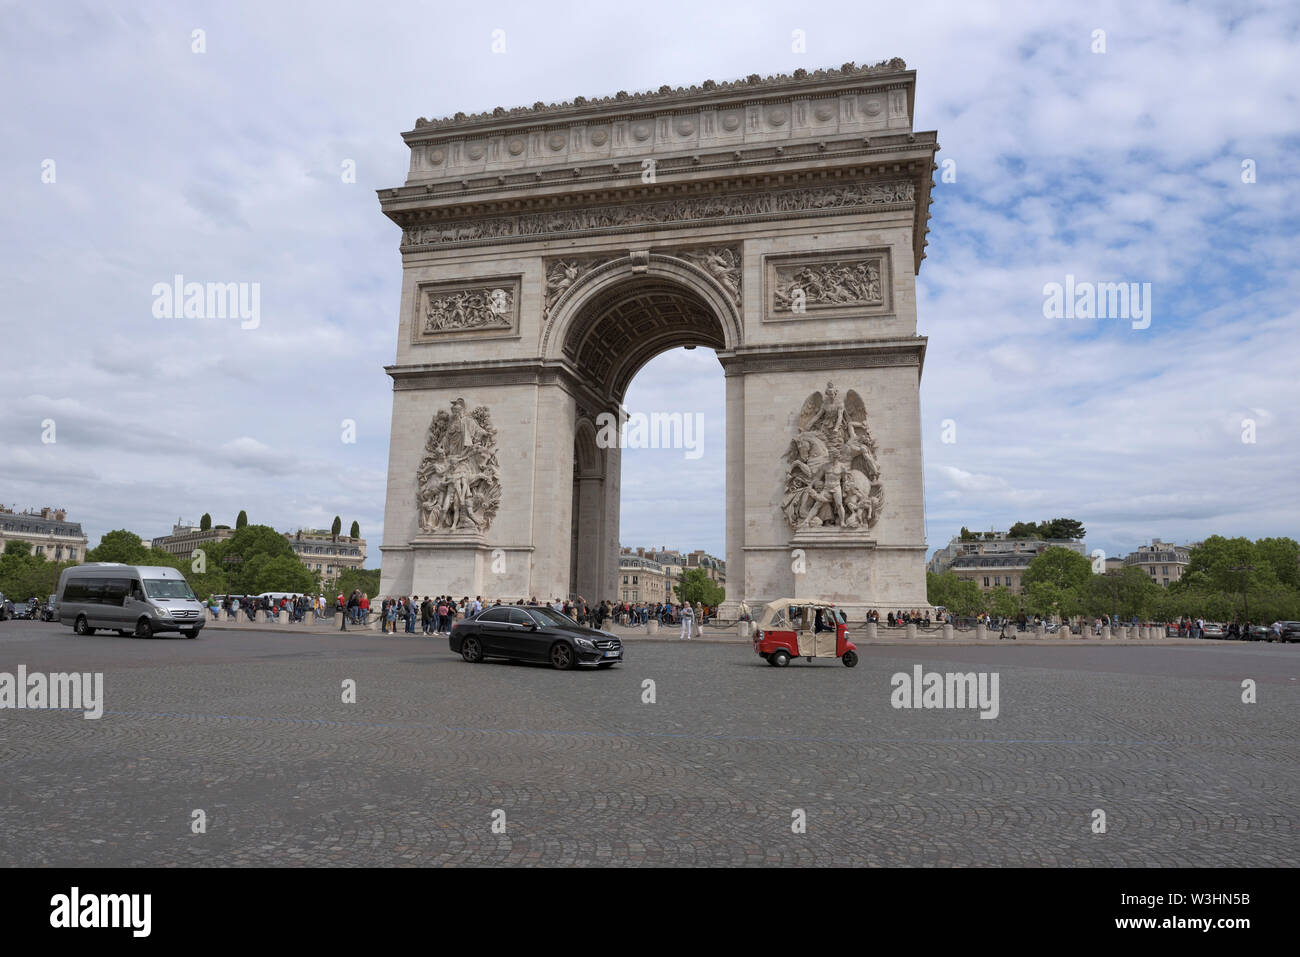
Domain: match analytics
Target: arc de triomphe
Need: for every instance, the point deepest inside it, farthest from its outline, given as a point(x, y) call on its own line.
point(549, 252)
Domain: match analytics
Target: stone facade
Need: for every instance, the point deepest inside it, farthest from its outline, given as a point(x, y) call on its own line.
point(1162, 561)
point(772, 221)
point(48, 532)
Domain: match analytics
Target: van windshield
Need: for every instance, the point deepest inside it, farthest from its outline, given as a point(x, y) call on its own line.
point(167, 588)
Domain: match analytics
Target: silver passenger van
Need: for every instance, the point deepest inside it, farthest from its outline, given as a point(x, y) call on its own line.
point(138, 600)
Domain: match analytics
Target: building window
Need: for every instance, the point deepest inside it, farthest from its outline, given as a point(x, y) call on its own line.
point(1166, 581)
point(633, 582)
point(986, 581)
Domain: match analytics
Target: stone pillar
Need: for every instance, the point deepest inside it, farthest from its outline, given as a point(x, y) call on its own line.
point(652, 626)
point(742, 630)
point(735, 508)
point(981, 633)
point(1105, 632)
point(1040, 630)
point(947, 631)
point(871, 631)
point(911, 629)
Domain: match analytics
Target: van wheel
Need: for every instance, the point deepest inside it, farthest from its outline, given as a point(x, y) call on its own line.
point(850, 659)
point(81, 627)
point(780, 658)
point(143, 629)
point(190, 634)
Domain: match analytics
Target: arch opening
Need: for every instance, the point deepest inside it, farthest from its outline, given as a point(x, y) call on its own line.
point(615, 333)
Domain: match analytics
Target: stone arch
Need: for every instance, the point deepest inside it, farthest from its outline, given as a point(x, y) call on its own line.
point(643, 271)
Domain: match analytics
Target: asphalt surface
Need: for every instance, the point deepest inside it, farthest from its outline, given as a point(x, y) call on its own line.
point(249, 727)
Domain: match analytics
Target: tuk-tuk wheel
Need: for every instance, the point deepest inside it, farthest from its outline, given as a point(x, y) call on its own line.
point(850, 659)
point(780, 658)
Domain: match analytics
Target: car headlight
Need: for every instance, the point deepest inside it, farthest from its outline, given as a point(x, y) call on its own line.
point(162, 611)
point(584, 643)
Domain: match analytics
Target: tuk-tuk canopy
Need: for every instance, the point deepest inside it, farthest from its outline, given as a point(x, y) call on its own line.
point(775, 614)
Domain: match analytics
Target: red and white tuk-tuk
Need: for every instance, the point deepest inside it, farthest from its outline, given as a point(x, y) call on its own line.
point(803, 628)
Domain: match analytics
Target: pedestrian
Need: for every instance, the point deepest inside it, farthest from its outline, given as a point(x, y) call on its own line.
point(688, 621)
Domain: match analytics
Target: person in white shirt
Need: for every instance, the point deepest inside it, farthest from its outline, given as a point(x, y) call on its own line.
point(688, 619)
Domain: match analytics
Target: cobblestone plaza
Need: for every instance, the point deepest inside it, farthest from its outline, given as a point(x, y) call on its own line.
point(250, 728)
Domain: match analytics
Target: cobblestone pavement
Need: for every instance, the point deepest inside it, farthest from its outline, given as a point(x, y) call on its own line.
point(249, 726)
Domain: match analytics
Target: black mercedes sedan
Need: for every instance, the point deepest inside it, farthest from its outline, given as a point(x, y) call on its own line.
point(533, 633)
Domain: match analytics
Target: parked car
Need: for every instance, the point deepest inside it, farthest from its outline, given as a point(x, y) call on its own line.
point(1214, 629)
point(1257, 633)
point(533, 633)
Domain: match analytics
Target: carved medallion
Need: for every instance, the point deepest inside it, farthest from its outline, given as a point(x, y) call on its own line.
point(832, 476)
point(457, 485)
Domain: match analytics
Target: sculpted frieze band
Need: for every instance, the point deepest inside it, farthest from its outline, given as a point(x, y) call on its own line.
point(662, 212)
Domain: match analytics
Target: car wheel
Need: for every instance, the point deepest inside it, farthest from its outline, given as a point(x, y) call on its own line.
point(471, 650)
point(562, 657)
point(850, 659)
point(190, 634)
point(780, 658)
point(81, 627)
point(124, 633)
point(143, 629)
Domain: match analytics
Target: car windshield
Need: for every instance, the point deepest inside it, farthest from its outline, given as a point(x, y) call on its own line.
point(549, 616)
point(167, 588)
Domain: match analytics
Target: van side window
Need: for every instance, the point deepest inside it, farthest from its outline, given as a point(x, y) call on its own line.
point(95, 590)
point(114, 591)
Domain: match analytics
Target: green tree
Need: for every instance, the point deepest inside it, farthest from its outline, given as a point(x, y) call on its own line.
point(1062, 528)
point(1023, 530)
point(15, 547)
point(244, 563)
point(1282, 555)
point(241, 520)
point(364, 579)
point(695, 585)
point(961, 596)
point(1002, 603)
point(205, 522)
point(336, 528)
point(966, 534)
point(355, 531)
point(123, 546)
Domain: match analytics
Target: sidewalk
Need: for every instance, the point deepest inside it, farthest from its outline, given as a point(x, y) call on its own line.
point(722, 634)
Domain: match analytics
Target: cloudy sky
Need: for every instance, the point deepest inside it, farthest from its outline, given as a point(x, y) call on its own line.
point(226, 165)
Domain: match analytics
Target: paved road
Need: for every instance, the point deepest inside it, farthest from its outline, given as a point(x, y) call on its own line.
point(249, 726)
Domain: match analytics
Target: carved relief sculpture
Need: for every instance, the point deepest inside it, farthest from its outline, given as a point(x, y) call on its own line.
point(843, 283)
point(457, 483)
point(561, 274)
point(484, 308)
point(665, 212)
point(721, 262)
point(832, 478)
